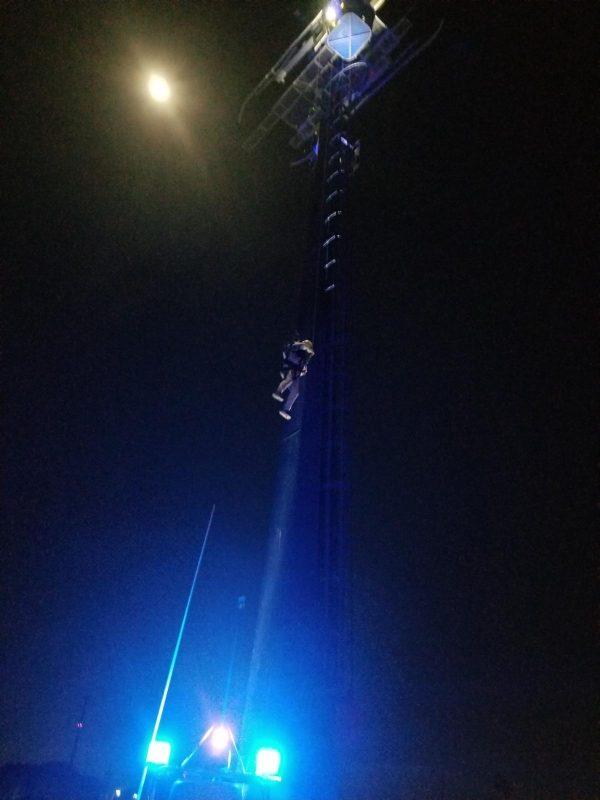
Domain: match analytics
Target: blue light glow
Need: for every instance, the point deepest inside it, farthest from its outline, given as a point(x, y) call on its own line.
point(158, 753)
point(268, 762)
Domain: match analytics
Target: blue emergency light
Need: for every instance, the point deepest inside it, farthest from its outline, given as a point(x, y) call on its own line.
point(158, 753)
point(268, 762)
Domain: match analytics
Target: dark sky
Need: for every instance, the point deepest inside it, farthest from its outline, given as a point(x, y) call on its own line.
point(152, 270)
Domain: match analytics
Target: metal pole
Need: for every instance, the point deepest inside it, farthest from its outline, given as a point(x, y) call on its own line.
point(176, 650)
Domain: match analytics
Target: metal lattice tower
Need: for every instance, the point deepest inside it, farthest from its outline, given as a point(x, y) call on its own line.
point(337, 156)
point(322, 91)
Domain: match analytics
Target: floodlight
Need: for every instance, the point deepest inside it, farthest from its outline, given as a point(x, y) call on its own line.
point(331, 13)
point(159, 88)
point(158, 753)
point(268, 762)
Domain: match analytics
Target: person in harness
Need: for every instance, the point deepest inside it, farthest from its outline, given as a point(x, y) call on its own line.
point(296, 356)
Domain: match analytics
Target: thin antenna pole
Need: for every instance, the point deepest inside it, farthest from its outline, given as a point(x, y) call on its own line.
point(176, 649)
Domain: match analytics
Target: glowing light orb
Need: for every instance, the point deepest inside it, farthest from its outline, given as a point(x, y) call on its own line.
point(219, 739)
point(159, 89)
point(268, 761)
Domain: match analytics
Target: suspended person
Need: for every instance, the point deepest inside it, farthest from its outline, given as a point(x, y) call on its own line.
point(296, 356)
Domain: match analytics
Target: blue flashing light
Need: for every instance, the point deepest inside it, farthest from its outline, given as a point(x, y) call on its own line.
point(268, 762)
point(158, 753)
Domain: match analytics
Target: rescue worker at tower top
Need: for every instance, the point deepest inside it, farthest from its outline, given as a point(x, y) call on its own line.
point(296, 356)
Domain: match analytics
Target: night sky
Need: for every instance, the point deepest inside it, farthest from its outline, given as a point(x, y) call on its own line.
point(151, 271)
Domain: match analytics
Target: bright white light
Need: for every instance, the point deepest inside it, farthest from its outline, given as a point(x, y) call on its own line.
point(219, 739)
point(331, 13)
point(117, 793)
point(159, 89)
point(268, 761)
point(158, 753)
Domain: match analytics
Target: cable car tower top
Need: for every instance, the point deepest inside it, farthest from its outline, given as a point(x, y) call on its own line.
point(344, 36)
